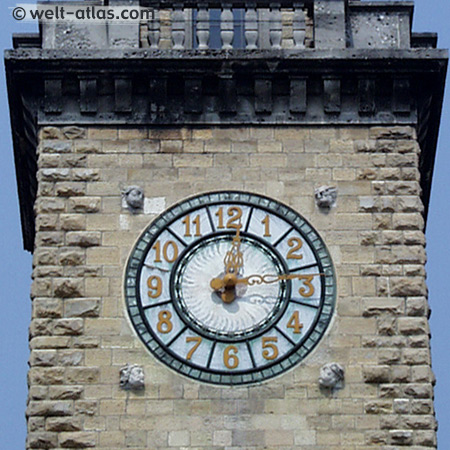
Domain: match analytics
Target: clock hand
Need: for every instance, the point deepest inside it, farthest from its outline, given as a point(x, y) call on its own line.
point(234, 259)
point(221, 283)
point(270, 279)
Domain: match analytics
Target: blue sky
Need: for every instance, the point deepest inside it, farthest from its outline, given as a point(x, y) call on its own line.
point(15, 264)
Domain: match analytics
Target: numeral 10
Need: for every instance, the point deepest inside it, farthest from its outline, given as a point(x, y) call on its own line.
point(169, 251)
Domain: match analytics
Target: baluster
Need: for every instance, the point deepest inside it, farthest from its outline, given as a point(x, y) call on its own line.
point(275, 26)
point(154, 30)
point(203, 27)
point(251, 28)
point(299, 25)
point(178, 27)
point(226, 27)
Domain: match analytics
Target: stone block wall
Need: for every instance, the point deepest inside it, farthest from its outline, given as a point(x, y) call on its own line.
point(80, 336)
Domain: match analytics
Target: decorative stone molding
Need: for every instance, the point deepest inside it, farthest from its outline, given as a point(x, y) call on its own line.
point(132, 377)
point(331, 376)
point(326, 197)
point(134, 198)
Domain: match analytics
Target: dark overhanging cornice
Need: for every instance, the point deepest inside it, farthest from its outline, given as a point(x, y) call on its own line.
point(286, 79)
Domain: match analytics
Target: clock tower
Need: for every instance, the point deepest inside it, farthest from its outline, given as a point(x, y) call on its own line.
point(226, 206)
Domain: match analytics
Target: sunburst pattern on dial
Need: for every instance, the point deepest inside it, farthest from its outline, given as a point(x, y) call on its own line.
point(230, 288)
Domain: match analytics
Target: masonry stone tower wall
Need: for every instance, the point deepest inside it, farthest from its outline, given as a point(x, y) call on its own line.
point(351, 99)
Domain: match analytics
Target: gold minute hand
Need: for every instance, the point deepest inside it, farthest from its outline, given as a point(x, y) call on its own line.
point(220, 283)
point(234, 259)
point(270, 279)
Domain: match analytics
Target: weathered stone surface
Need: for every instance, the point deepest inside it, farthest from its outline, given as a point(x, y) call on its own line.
point(43, 358)
point(408, 287)
point(377, 306)
point(80, 375)
point(55, 174)
point(82, 308)
point(70, 189)
point(71, 257)
point(83, 239)
point(68, 287)
point(85, 175)
point(74, 132)
point(376, 374)
point(401, 437)
point(68, 326)
point(77, 440)
point(418, 391)
point(64, 424)
point(51, 133)
point(85, 205)
point(47, 308)
point(50, 408)
point(66, 392)
point(46, 376)
point(378, 407)
point(42, 440)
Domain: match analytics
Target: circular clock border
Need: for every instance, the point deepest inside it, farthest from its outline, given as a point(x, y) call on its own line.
point(188, 369)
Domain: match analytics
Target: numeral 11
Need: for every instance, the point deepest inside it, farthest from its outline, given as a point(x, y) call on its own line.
point(187, 223)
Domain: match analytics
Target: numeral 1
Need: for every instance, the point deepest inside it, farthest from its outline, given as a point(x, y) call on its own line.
point(187, 223)
point(266, 223)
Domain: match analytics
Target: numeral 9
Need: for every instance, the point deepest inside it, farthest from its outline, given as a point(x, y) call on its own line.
point(154, 284)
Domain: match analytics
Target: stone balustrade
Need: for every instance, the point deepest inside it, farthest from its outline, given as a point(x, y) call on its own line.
point(225, 27)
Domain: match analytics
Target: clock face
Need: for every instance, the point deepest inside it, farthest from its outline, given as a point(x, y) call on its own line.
point(230, 288)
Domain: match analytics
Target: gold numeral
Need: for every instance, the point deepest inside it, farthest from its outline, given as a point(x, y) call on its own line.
point(230, 358)
point(269, 343)
point(187, 223)
point(307, 281)
point(154, 284)
point(294, 323)
point(296, 244)
point(197, 340)
point(266, 223)
point(234, 214)
point(169, 251)
point(164, 324)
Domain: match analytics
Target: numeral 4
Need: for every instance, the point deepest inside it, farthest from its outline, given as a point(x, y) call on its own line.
point(294, 323)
